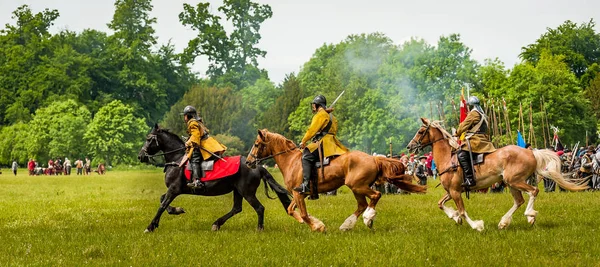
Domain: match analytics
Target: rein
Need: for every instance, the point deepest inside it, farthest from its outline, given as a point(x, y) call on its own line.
point(258, 160)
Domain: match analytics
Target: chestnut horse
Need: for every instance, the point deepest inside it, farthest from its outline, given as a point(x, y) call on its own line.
point(355, 169)
point(511, 164)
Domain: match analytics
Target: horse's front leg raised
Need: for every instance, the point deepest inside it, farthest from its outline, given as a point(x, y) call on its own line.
point(314, 223)
point(164, 204)
point(450, 212)
point(456, 196)
point(170, 209)
point(292, 211)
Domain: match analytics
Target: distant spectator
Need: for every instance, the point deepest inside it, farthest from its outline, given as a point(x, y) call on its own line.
point(79, 166)
point(15, 166)
point(31, 166)
point(88, 166)
point(421, 170)
point(67, 166)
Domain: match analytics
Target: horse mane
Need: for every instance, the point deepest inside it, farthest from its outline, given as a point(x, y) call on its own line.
point(174, 136)
point(451, 139)
point(280, 139)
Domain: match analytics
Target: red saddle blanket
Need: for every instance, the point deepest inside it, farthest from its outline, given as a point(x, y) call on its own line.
point(221, 169)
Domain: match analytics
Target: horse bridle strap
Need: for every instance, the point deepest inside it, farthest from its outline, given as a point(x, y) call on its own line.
point(258, 160)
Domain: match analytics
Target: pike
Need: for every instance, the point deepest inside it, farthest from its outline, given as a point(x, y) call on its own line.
point(335, 101)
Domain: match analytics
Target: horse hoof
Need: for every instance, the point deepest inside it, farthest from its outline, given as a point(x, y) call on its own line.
point(531, 220)
point(478, 225)
point(458, 220)
point(504, 223)
point(147, 231)
point(180, 211)
point(260, 228)
point(216, 227)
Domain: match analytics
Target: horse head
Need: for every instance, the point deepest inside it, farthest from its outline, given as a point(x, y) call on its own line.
point(421, 138)
point(428, 134)
point(259, 149)
point(268, 145)
point(160, 139)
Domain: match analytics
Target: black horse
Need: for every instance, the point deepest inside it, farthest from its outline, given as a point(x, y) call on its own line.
point(243, 184)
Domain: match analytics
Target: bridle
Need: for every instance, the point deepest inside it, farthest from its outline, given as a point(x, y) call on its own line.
point(153, 138)
point(260, 146)
point(421, 145)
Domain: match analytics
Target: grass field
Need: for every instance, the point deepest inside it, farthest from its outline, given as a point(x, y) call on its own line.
point(99, 220)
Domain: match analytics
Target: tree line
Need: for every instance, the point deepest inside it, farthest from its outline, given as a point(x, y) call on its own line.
point(93, 93)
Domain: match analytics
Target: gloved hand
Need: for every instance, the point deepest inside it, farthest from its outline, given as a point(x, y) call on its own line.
point(302, 145)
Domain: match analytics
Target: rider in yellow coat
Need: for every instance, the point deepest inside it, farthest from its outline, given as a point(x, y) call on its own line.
point(322, 131)
point(198, 145)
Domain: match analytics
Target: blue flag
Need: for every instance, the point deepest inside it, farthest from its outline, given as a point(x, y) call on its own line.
point(520, 140)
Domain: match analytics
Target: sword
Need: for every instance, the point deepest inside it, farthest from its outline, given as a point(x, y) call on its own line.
point(214, 155)
point(335, 101)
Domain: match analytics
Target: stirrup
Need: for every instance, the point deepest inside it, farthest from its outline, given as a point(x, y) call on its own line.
point(302, 189)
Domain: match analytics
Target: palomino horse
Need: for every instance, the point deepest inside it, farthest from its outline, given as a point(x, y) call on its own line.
point(355, 169)
point(511, 164)
point(243, 184)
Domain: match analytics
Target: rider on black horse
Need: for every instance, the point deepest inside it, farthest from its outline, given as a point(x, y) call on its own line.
point(322, 131)
point(472, 132)
point(200, 145)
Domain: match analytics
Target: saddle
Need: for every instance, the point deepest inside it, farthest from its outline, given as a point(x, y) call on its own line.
point(314, 177)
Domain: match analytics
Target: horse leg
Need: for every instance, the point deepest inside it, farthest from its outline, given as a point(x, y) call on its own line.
point(450, 212)
point(532, 192)
point(507, 218)
point(460, 206)
point(166, 201)
point(259, 208)
point(172, 210)
point(314, 223)
point(370, 213)
point(351, 221)
point(292, 211)
point(237, 208)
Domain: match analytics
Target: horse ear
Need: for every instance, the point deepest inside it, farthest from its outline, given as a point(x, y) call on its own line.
point(425, 121)
point(261, 135)
point(156, 126)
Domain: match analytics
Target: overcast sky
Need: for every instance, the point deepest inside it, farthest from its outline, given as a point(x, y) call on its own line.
point(491, 28)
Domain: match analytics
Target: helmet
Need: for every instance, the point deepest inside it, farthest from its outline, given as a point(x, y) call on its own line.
point(473, 100)
point(189, 110)
point(320, 101)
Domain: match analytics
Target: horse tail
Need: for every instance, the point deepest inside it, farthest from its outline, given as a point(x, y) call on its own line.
point(281, 192)
point(548, 165)
point(392, 171)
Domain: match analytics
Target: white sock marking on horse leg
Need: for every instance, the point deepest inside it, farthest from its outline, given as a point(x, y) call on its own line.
point(530, 212)
point(349, 223)
point(317, 225)
point(369, 216)
point(477, 225)
point(507, 218)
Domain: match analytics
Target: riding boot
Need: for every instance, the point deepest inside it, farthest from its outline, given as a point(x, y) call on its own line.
point(307, 167)
point(464, 159)
point(197, 172)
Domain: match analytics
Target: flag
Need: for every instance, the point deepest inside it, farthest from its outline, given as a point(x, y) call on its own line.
point(520, 140)
point(463, 106)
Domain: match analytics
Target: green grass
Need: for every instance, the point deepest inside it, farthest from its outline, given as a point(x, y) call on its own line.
point(99, 220)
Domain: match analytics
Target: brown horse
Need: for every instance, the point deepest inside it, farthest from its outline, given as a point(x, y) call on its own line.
point(355, 169)
point(511, 164)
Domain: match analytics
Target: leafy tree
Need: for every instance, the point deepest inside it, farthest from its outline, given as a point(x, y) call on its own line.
point(580, 44)
point(14, 140)
point(233, 57)
point(58, 130)
point(276, 116)
point(116, 134)
point(234, 144)
point(23, 46)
